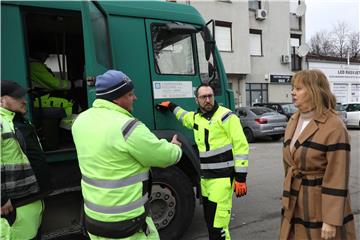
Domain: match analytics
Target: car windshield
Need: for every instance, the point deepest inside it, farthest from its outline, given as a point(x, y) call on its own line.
point(261, 110)
point(289, 108)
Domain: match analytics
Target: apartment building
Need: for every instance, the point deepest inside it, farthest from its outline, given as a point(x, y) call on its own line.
point(258, 41)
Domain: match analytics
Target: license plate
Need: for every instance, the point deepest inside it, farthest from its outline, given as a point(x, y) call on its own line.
point(278, 128)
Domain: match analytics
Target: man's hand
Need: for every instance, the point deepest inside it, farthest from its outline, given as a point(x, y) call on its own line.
point(175, 141)
point(328, 231)
point(7, 208)
point(163, 106)
point(240, 189)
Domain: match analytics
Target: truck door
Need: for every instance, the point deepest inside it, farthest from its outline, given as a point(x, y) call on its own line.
point(180, 59)
point(96, 44)
point(172, 67)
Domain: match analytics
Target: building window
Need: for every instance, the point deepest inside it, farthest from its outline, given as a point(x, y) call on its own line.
point(254, 4)
point(255, 43)
point(223, 35)
point(295, 41)
point(256, 93)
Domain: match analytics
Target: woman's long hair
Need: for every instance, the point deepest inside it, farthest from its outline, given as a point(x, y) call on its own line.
point(318, 88)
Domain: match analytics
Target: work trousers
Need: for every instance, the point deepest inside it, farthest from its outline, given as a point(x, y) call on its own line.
point(152, 235)
point(217, 202)
point(26, 224)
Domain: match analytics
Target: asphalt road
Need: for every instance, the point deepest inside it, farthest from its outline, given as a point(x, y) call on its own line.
point(257, 216)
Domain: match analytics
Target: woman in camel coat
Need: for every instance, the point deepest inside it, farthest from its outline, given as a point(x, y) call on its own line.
point(316, 156)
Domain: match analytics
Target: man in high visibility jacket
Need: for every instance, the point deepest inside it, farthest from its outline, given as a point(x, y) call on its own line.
point(43, 77)
point(24, 178)
point(55, 91)
point(115, 153)
point(223, 152)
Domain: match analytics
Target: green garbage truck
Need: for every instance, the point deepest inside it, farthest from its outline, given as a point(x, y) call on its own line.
point(166, 48)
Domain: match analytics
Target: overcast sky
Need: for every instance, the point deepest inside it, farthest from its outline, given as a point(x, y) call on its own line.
point(324, 14)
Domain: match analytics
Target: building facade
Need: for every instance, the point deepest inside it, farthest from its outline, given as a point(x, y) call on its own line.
point(343, 75)
point(258, 42)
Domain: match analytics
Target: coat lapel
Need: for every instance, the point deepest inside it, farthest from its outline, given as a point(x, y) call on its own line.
point(312, 127)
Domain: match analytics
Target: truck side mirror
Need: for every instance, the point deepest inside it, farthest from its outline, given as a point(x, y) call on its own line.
point(208, 43)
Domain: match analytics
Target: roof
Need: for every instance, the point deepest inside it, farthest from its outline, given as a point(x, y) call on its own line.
point(142, 9)
point(330, 58)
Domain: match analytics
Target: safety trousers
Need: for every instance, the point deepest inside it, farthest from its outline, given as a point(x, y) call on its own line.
point(217, 203)
point(26, 224)
point(151, 235)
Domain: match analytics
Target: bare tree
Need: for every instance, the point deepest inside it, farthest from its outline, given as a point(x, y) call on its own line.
point(337, 42)
point(354, 44)
point(321, 43)
point(339, 38)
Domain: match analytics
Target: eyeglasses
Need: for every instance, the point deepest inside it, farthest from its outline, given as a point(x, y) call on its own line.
point(204, 97)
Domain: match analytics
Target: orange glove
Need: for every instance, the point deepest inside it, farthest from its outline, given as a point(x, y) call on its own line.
point(240, 189)
point(163, 106)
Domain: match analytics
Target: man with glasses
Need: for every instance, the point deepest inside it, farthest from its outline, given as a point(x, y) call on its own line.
point(223, 153)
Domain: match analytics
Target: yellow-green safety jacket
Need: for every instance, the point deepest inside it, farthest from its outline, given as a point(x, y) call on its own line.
point(42, 78)
point(223, 148)
point(17, 177)
point(115, 153)
point(47, 101)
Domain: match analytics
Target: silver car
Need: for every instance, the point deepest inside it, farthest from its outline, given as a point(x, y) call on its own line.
point(261, 122)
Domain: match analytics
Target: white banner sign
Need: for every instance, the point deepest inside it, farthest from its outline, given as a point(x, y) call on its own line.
point(173, 89)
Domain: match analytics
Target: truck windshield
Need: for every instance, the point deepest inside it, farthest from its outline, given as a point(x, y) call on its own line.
point(174, 53)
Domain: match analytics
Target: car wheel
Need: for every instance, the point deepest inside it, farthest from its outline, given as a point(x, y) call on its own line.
point(249, 135)
point(276, 137)
point(172, 202)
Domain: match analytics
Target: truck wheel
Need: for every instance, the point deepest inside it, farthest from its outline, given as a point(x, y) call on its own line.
point(172, 202)
point(249, 135)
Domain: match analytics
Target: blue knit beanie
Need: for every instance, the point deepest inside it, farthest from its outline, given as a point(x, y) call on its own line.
point(112, 84)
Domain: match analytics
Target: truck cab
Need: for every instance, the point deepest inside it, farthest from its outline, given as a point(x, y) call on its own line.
point(165, 48)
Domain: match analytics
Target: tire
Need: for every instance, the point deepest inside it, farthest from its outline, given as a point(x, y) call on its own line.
point(276, 137)
point(172, 202)
point(249, 135)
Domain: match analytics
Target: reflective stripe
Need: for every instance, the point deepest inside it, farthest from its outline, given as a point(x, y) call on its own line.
point(20, 182)
point(182, 115)
point(15, 167)
point(116, 183)
point(226, 116)
point(241, 156)
point(116, 209)
point(217, 165)
point(176, 110)
point(216, 151)
point(241, 169)
point(129, 127)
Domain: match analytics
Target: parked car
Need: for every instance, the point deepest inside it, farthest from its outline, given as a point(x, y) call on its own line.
point(261, 122)
point(341, 112)
point(287, 109)
point(353, 114)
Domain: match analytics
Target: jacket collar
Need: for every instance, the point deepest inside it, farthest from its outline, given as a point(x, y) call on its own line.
point(101, 103)
point(310, 128)
point(208, 115)
point(7, 113)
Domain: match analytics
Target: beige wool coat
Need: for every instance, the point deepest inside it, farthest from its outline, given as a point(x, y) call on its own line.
point(316, 179)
